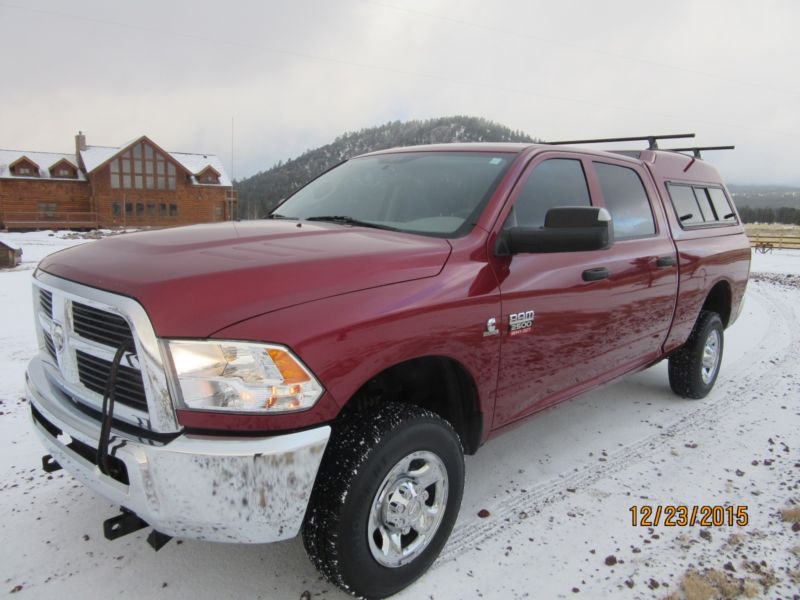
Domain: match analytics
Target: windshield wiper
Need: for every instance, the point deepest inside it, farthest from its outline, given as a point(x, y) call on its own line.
point(279, 216)
point(345, 220)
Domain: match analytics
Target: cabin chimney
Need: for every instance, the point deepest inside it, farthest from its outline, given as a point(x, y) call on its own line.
point(80, 143)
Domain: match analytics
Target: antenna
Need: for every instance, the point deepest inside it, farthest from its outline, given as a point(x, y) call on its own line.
point(652, 140)
point(695, 150)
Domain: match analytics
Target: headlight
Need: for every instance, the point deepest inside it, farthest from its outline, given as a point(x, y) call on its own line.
point(238, 376)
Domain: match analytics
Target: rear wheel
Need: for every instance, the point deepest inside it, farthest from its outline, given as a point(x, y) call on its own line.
point(694, 368)
point(386, 498)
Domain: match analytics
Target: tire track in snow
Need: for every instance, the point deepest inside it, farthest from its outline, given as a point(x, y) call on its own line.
point(746, 376)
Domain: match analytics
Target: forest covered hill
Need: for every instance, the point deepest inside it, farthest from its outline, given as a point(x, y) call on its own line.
point(261, 192)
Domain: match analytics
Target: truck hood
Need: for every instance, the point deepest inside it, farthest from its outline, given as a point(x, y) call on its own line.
point(193, 281)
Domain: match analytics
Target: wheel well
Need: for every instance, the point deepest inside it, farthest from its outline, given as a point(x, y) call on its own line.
point(719, 301)
point(437, 383)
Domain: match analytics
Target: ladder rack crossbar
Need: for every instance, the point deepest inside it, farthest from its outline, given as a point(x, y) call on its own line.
point(652, 140)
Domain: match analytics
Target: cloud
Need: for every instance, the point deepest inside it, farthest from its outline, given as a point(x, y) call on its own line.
point(294, 76)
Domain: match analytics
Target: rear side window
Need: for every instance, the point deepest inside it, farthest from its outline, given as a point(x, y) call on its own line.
point(626, 200)
point(553, 183)
point(700, 205)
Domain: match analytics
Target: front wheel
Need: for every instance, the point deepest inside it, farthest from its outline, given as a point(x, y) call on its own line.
point(386, 499)
point(694, 368)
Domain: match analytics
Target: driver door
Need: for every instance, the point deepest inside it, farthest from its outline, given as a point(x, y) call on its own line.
point(574, 340)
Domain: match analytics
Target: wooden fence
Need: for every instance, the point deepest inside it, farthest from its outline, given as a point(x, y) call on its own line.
point(764, 240)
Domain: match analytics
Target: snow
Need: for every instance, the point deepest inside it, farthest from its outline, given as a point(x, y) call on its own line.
point(777, 261)
point(94, 156)
point(195, 163)
point(44, 160)
point(558, 489)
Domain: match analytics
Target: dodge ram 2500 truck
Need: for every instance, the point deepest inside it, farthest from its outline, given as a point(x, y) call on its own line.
point(323, 371)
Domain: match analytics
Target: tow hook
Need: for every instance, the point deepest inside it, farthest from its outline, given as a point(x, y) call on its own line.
point(129, 522)
point(49, 464)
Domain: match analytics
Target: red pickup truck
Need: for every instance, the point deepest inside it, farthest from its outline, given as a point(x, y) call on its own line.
point(325, 370)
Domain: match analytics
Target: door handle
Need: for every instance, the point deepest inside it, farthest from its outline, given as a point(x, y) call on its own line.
point(666, 261)
point(596, 274)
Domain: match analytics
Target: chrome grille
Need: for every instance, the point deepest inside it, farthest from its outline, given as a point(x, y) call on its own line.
point(80, 329)
point(129, 388)
point(100, 326)
point(46, 302)
point(51, 347)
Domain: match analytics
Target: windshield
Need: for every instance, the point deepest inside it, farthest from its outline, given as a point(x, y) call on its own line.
point(431, 193)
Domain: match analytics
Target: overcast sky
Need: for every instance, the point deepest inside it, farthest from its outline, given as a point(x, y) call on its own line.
point(294, 75)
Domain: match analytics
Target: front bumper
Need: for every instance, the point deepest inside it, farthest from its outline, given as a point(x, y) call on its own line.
point(224, 489)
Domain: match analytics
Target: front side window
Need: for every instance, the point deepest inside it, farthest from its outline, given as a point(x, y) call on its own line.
point(430, 193)
point(553, 183)
point(626, 200)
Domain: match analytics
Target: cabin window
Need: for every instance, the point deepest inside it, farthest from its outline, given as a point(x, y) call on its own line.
point(63, 172)
point(47, 209)
point(208, 177)
point(142, 167)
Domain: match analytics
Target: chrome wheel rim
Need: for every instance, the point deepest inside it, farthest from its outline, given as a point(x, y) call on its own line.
point(711, 356)
point(407, 509)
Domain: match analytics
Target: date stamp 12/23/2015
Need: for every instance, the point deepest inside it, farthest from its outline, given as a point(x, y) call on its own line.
point(688, 516)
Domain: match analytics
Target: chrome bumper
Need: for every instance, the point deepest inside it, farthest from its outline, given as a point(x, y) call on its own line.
point(223, 489)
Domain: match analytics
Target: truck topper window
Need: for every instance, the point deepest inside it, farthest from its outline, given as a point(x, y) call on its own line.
point(697, 205)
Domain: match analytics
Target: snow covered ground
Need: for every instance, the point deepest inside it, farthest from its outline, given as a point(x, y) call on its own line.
point(558, 489)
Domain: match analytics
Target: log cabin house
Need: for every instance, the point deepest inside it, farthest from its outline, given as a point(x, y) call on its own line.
point(138, 184)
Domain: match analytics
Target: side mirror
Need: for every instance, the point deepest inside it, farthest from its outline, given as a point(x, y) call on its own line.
point(566, 229)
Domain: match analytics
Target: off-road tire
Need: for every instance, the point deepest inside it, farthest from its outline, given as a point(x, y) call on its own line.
point(361, 452)
point(685, 365)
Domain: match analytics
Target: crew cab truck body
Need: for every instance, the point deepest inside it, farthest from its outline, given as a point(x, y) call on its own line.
point(325, 370)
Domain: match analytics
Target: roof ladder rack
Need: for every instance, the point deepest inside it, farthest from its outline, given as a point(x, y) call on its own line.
point(695, 150)
point(652, 140)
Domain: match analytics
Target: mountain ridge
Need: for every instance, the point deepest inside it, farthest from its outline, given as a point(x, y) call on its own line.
point(262, 192)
